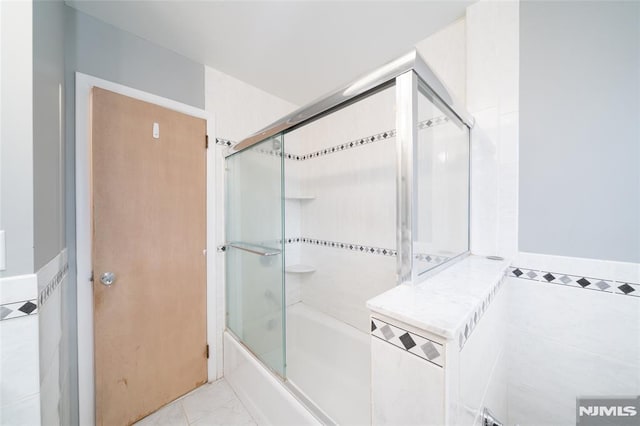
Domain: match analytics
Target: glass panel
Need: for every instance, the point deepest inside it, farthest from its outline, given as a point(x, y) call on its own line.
point(442, 223)
point(340, 215)
point(254, 259)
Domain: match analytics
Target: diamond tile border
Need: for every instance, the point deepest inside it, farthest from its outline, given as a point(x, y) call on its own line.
point(18, 309)
point(345, 246)
point(361, 248)
point(413, 343)
point(474, 319)
point(577, 281)
point(224, 142)
point(53, 284)
point(425, 124)
point(344, 146)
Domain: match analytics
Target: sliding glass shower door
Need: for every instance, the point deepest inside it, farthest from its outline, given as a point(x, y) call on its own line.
point(254, 260)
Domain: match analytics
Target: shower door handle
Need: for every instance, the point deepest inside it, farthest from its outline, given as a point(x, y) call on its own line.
point(255, 249)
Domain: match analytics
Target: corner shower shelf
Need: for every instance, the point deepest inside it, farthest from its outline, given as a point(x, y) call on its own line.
point(300, 197)
point(299, 269)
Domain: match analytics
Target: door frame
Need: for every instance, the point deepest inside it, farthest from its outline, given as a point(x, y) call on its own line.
point(86, 379)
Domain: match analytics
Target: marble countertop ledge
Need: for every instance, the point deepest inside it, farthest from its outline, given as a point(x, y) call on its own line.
point(444, 302)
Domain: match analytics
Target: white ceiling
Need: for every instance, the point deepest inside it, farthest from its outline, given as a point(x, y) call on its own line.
point(295, 50)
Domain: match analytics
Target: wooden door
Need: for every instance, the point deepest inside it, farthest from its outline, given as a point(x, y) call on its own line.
point(149, 230)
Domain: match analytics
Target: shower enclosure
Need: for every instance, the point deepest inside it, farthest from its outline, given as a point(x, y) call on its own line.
point(365, 189)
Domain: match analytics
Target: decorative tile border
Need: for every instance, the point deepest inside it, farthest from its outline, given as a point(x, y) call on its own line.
point(345, 146)
point(576, 281)
point(53, 284)
point(18, 309)
point(413, 343)
point(431, 258)
point(18, 296)
point(382, 136)
point(224, 142)
point(361, 248)
point(345, 246)
point(474, 319)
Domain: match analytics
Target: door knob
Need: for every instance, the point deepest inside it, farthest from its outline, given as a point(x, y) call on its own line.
point(107, 278)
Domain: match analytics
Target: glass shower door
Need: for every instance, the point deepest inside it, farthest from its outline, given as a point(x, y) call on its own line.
point(254, 257)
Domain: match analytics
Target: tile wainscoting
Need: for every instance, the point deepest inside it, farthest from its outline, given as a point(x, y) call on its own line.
point(578, 323)
point(456, 371)
point(18, 296)
point(53, 353)
point(411, 342)
point(20, 392)
point(31, 334)
point(18, 309)
point(596, 275)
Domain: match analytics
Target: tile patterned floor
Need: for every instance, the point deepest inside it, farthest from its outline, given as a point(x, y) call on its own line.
point(213, 404)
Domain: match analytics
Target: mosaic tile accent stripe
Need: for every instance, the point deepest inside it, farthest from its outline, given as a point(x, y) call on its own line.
point(408, 341)
point(18, 309)
point(356, 247)
point(381, 251)
point(53, 284)
point(347, 145)
point(345, 246)
point(382, 136)
point(474, 319)
point(224, 142)
point(576, 281)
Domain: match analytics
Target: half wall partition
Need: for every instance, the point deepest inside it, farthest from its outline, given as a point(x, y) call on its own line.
point(365, 189)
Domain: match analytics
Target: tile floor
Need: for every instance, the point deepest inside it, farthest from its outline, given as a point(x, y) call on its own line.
point(213, 404)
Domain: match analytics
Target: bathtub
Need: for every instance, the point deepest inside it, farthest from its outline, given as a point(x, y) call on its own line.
point(328, 373)
point(330, 362)
point(262, 392)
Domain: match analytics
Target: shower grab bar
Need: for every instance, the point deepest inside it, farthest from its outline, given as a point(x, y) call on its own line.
point(255, 249)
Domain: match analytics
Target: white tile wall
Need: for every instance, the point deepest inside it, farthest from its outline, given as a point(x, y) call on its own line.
point(492, 36)
point(19, 381)
point(496, 396)
point(24, 412)
point(354, 202)
point(445, 52)
point(19, 372)
point(406, 389)
point(344, 281)
point(579, 342)
point(52, 366)
point(482, 365)
point(240, 109)
point(18, 289)
point(355, 193)
point(601, 323)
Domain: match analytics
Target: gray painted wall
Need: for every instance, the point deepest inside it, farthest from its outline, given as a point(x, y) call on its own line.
point(49, 195)
point(16, 158)
point(96, 48)
point(580, 129)
point(48, 130)
point(104, 51)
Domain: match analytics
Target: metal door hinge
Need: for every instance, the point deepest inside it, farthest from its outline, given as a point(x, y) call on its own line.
point(207, 351)
point(206, 141)
point(91, 277)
